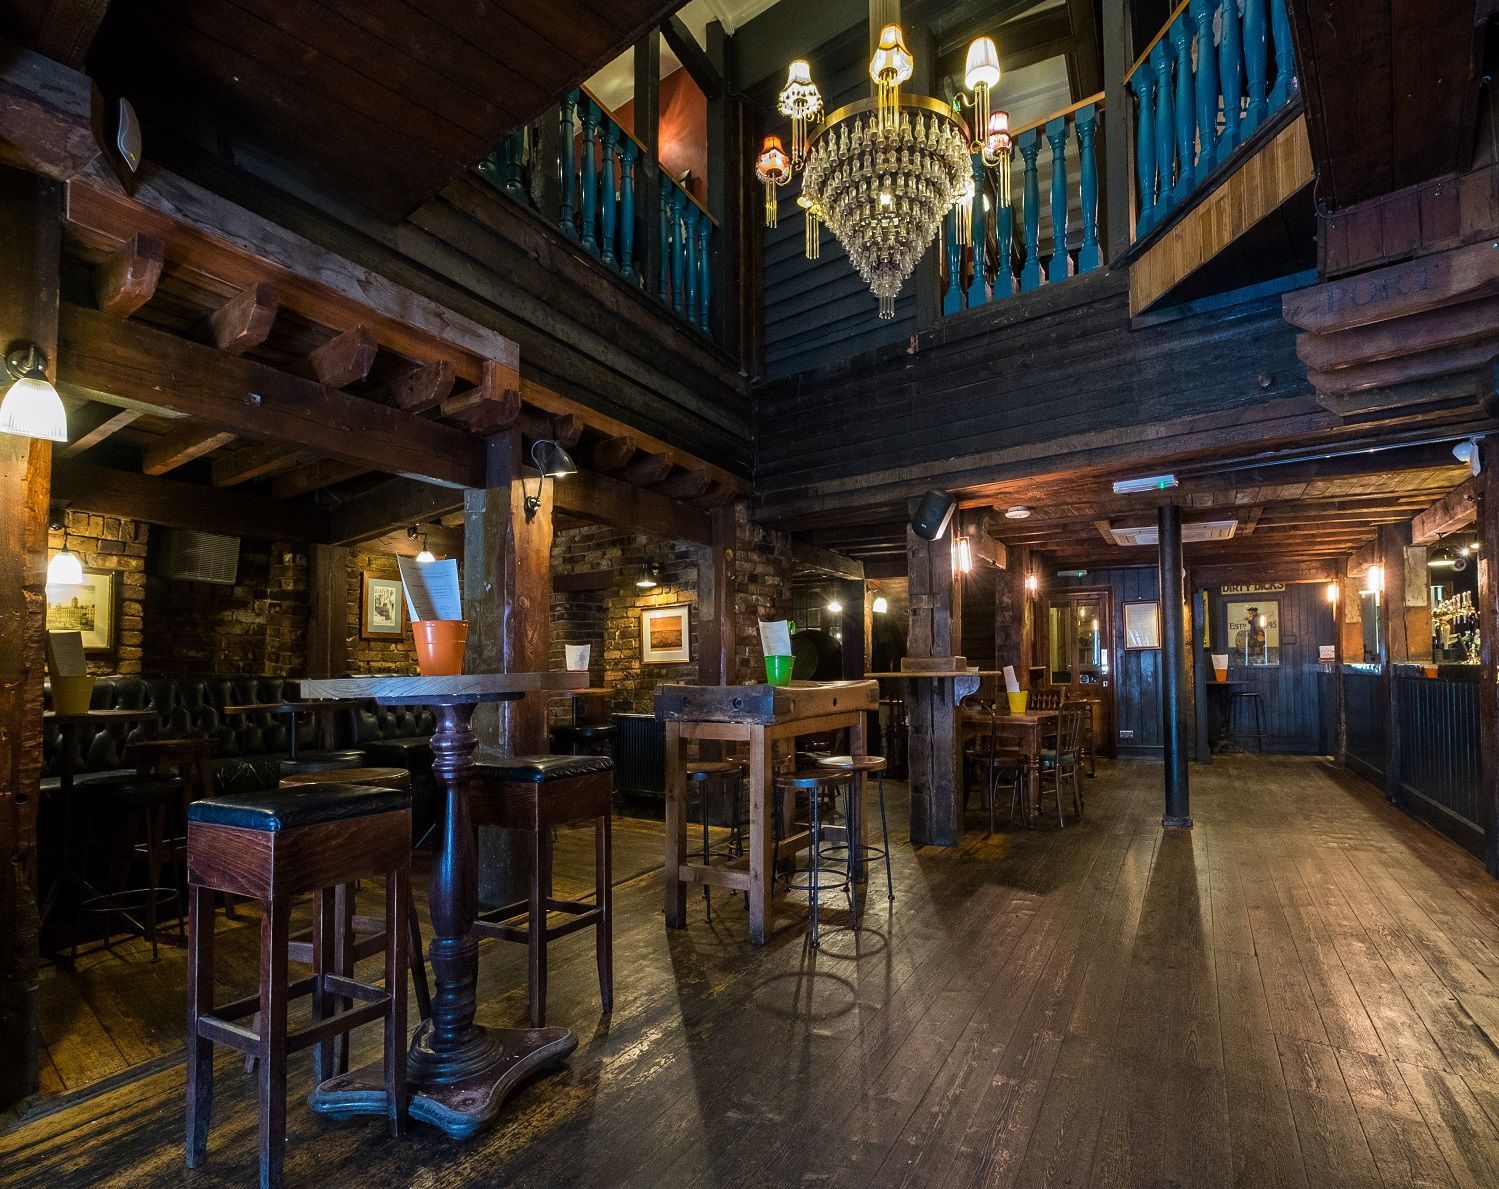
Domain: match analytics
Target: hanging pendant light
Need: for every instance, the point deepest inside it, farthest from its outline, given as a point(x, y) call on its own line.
point(31, 407)
point(773, 168)
point(64, 569)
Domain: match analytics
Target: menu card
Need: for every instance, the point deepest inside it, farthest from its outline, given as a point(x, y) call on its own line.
point(775, 637)
point(1012, 684)
point(432, 590)
point(65, 654)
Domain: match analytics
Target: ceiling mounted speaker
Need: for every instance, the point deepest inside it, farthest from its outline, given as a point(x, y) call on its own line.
point(931, 515)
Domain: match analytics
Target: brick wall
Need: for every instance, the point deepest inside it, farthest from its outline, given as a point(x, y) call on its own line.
point(762, 577)
point(111, 543)
point(375, 656)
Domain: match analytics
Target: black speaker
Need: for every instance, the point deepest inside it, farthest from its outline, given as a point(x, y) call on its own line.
point(931, 513)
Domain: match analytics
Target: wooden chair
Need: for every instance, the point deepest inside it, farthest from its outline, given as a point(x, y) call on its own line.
point(1088, 744)
point(272, 847)
point(1064, 761)
point(1045, 699)
point(535, 795)
point(996, 760)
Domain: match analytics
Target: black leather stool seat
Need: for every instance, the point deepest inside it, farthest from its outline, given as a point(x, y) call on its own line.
point(493, 766)
point(129, 789)
point(306, 805)
point(323, 761)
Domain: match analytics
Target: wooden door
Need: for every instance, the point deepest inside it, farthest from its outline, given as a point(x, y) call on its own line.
point(1077, 652)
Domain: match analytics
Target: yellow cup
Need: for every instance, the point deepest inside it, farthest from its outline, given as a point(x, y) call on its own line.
point(1018, 701)
point(71, 695)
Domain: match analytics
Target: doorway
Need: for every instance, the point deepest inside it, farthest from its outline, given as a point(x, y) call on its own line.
point(1079, 651)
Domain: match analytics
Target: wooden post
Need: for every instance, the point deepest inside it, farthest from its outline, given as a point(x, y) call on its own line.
point(647, 121)
point(1394, 645)
point(1488, 655)
point(1339, 693)
point(328, 614)
point(507, 594)
point(30, 229)
point(1115, 135)
point(855, 628)
point(932, 701)
point(1197, 627)
point(1173, 669)
point(715, 603)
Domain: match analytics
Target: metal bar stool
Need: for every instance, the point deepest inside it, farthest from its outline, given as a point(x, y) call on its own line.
point(818, 784)
point(1249, 700)
point(858, 770)
point(702, 774)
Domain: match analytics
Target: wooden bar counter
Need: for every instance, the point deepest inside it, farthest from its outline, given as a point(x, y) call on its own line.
point(763, 717)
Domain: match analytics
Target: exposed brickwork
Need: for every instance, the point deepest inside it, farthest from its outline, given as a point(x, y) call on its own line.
point(375, 656)
point(111, 543)
point(762, 580)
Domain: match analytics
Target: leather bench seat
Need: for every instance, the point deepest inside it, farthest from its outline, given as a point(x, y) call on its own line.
point(305, 805)
point(537, 769)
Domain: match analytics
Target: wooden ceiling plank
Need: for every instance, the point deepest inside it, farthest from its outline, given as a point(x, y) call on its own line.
point(313, 476)
point(127, 278)
point(244, 321)
point(109, 422)
point(68, 28)
point(180, 446)
point(1456, 510)
point(254, 462)
point(48, 114)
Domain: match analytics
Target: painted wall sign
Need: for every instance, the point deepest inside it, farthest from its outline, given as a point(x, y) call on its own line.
point(1249, 588)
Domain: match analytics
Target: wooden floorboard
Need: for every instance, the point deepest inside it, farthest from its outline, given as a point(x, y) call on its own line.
point(1299, 991)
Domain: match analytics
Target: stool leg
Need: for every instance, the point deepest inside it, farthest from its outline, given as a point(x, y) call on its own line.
point(150, 821)
point(702, 794)
point(343, 963)
point(199, 1002)
point(415, 952)
point(324, 1062)
point(814, 814)
point(536, 934)
point(603, 883)
point(885, 834)
point(397, 906)
point(274, 935)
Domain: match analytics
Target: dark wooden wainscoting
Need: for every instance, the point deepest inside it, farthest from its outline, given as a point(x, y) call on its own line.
point(1365, 693)
point(1439, 758)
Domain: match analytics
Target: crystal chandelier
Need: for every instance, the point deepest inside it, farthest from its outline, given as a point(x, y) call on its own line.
point(883, 172)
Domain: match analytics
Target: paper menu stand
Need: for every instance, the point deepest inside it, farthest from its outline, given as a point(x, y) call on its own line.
point(1012, 684)
point(65, 654)
point(775, 637)
point(432, 590)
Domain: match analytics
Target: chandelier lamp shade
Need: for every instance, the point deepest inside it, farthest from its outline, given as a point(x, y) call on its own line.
point(883, 173)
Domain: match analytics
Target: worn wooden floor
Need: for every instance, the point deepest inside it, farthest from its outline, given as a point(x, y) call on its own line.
point(1303, 990)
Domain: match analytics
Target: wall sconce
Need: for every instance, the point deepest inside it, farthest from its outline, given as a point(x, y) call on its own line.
point(881, 605)
point(425, 555)
point(64, 569)
point(1332, 593)
point(550, 461)
point(649, 577)
point(963, 555)
point(31, 408)
point(834, 606)
point(1032, 583)
point(1374, 581)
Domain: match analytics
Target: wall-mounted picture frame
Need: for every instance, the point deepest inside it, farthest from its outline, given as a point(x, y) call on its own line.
point(1254, 631)
point(382, 609)
point(1142, 626)
point(666, 635)
point(90, 607)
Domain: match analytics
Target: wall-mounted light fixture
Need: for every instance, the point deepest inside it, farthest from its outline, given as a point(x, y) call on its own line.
point(1032, 583)
point(426, 555)
point(1373, 581)
point(31, 406)
point(64, 569)
point(881, 604)
point(649, 577)
point(550, 461)
point(963, 554)
point(1332, 593)
point(834, 606)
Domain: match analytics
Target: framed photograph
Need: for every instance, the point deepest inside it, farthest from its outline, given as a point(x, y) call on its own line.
point(1142, 625)
point(382, 612)
point(1254, 631)
point(666, 635)
point(88, 607)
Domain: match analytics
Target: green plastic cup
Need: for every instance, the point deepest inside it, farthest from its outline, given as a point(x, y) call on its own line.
point(778, 669)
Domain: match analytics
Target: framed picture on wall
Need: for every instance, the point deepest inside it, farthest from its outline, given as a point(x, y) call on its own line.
point(1142, 625)
point(1254, 631)
point(666, 635)
point(87, 607)
point(382, 609)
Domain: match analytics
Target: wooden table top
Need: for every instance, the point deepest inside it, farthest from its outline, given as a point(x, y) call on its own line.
point(395, 778)
point(939, 673)
point(418, 691)
point(759, 702)
point(294, 707)
point(1025, 716)
point(101, 716)
point(592, 691)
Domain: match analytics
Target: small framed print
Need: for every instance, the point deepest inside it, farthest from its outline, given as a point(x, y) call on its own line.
point(666, 635)
point(87, 607)
point(382, 612)
point(1142, 625)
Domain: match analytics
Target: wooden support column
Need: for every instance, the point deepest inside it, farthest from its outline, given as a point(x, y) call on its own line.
point(328, 613)
point(1196, 629)
point(1488, 655)
point(30, 229)
point(1173, 670)
point(1395, 645)
point(647, 120)
point(1115, 134)
point(1339, 693)
point(716, 597)
point(1015, 613)
point(507, 595)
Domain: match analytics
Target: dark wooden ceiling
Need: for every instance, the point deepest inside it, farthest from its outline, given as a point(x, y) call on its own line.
point(381, 101)
point(1392, 90)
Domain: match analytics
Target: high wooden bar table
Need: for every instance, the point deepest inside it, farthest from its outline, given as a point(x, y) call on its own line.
point(761, 716)
point(460, 1072)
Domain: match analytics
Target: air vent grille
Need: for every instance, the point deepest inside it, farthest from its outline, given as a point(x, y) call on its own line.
point(201, 557)
point(1196, 531)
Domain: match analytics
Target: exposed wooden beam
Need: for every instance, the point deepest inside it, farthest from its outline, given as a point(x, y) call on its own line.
point(180, 446)
point(232, 394)
point(612, 453)
point(244, 321)
point(692, 56)
point(565, 428)
point(344, 359)
point(46, 110)
point(491, 406)
point(1445, 326)
point(253, 462)
point(66, 29)
point(183, 505)
point(814, 559)
point(102, 421)
point(1456, 510)
point(685, 485)
point(1230, 573)
point(126, 279)
point(425, 387)
point(645, 469)
point(313, 476)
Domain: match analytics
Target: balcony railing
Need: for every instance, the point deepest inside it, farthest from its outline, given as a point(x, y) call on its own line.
point(600, 204)
point(1202, 88)
point(1031, 241)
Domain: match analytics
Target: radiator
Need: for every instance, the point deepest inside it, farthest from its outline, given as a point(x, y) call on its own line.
point(639, 754)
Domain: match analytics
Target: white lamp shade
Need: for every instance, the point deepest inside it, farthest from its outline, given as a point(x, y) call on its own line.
point(32, 409)
point(892, 61)
point(983, 64)
point(799, 74)
point(424, 557)
point(881, 605)
point(64, 569)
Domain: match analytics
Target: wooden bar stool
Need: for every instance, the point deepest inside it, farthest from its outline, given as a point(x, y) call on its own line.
point(702, 775)
point(272, 847)
point(534, 795)
point(818, 784)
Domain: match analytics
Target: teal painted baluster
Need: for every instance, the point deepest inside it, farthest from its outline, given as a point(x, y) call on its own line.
point(1004, 235)
point(590, 210)
point(1285, 58)
point(678, 249)
point(1029, 145)
point(978, 294)
point(704, 270)
point(609, 200)
point(1142, 82)
point(1186, 117)
point(565, 135)
point(952, 296)
point(1230, 75)
point(1165, 129)
point(1059, 268)
point(690, 215)
point(627, 209)
point(1207, 87)
point(663, 291)
point(1255, 64)
point(1087, 155)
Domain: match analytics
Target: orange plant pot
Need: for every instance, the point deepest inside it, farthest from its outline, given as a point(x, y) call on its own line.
point(439, 646)
point(71, 695)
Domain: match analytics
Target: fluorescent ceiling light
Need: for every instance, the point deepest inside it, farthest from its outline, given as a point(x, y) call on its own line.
point(1148, 483)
